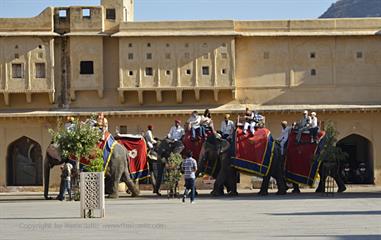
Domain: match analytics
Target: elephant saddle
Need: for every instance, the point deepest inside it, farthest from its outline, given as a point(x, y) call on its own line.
point(302, 163)
point(253, 153)
point(137, 155)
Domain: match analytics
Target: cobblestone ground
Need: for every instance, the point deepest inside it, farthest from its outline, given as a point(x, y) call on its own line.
point(352, 215)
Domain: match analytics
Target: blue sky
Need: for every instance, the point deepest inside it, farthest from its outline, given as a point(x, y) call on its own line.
point(146, 10)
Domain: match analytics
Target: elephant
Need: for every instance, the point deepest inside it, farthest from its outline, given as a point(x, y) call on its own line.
point(216, 149)
point(117, 171)
point(163, 149)
point(327, 168)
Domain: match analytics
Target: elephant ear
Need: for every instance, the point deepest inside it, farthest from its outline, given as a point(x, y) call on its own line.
point(53, 152)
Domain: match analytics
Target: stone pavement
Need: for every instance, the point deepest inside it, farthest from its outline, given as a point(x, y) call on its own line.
point(352, 215)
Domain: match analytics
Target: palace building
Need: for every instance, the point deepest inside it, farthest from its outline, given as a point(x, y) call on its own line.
point(86, 59)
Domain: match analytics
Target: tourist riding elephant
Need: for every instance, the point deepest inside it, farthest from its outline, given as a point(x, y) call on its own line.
point(217, 154)
point(118, 170)
point(163, 150)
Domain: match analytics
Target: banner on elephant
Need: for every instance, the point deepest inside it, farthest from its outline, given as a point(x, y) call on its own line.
point(302, 163)
point(253, 154)
point(137, 156)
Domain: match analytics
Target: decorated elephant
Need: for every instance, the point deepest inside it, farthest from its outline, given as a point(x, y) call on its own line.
point(163, 150)
point(117, 170)
point(216, 159)
point(304, 161)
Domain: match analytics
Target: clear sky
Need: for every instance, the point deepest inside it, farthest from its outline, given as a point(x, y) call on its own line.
point(147, 10)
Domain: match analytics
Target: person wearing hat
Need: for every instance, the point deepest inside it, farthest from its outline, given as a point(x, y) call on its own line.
point(283, 138)
point(304, 124)
point(176, 132)
point(149, 137)
point(227, 127)
point(70, 123)
point(314, 128)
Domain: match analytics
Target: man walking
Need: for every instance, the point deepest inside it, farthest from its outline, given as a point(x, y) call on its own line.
point(189, 167)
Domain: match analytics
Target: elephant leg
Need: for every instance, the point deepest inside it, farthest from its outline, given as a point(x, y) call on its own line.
point(264, 186)
point(232, 182)
point(281, 184)
point(218, 188)
point(160, 172)
point(296, 188)
point(340, 183)
point(153, 179)
point(321, 187)
point(115, 176)
point(130, 184)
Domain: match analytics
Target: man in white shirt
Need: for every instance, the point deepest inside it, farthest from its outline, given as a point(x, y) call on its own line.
point(227, 127)
point(283, 138)
point(149, 137)
point(194, 124)
point(314, 128)
point(176, 132)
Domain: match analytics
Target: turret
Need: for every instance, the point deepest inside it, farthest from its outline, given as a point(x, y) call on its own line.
point(116, 12)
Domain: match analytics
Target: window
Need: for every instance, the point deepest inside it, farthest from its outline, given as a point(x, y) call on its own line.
point(224, 55)
point(17, 71)
point(148, 44)
point(312, 55)
point(40, 46)
point(17, 56)
point(167, 45)
point(167, 56)
point(87, 67)
point(313, 72)
point(110, 14)
point(86, 13)
point(205, 70)
point(123, 129)
point(266, 55)
point(40, 70)
point(17, 46)
point(62, 13)
point(149, 71)
point(130, 56)
point(130, 73)
point(188, 72)
point(359, 55)
point(223, 71)
point(186, 45)
point(168, 72)
point(149, 56)
point(130, 45)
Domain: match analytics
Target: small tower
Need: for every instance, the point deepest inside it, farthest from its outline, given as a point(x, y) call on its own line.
point(117, 11)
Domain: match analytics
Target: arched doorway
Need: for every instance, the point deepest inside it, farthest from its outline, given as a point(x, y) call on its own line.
point(358, 168)
point(24, 163)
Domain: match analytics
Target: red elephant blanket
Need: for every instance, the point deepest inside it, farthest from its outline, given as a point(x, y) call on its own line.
point(137, 156)
point(194, 146)
point(253, 154)
point(301, 161)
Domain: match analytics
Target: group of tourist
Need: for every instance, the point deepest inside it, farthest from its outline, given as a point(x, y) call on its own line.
point(199, 127)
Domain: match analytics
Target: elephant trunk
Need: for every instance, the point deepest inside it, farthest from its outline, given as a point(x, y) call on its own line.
point(46, 176)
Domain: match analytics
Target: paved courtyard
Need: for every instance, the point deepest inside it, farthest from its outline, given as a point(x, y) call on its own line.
point(352, 215)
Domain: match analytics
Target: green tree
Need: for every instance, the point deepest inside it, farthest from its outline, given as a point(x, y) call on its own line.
point(331, 154)
point(78, 139)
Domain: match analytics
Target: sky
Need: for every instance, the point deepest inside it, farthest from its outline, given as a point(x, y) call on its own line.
point(148, 10)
